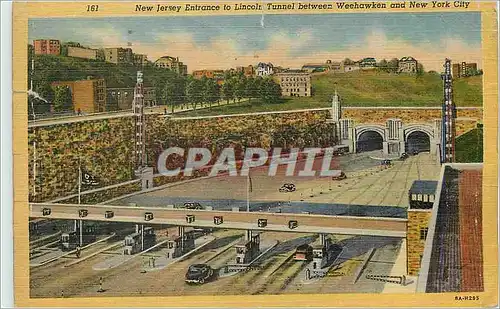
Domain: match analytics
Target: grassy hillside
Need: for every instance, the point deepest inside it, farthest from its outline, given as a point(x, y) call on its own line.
point(60, 68)
point(469, 146)
point(368, 88)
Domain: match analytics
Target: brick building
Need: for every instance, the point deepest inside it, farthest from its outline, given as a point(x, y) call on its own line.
point(463, 69)
point(88, 96)
point(219, 74)
point(47, 47)
point(122, 98)
point(295, 83)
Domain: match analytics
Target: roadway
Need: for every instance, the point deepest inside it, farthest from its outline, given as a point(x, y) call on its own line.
point(366, 184)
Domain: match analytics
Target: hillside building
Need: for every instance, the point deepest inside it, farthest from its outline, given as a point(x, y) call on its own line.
point(47, 47)
point(295, 83)
point(122, 98)
point(88, 96)
point(118, 55)
point(173, 64)
point(407, 65)
point(463, 69)
point(82, 52)
point(265, 69)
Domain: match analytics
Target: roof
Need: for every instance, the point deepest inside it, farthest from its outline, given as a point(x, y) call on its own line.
point(408, 59)
point(423, 187)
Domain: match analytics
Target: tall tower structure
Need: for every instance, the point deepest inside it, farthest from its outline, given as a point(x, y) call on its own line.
point(449, 114)
point(140, 129)
point(336, 108)
point(141, 169)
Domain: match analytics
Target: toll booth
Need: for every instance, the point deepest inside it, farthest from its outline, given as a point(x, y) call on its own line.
point(422, 194)
point(248, 250)
point(180, 245)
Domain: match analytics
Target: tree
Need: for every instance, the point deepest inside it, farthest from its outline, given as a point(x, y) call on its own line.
point(194, 92)
point(62, 98)
point(211, 91)
point(228, 90)
point(348, 61)
point(251, 88)
point(173, 92)
point(420, 69)
point(382, 65)
point(393, 65)
point(239, 90)
point(269, 91)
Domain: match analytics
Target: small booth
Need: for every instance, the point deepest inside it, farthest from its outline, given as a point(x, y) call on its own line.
point(422, 194)
point(178, 246)
point(248, 250)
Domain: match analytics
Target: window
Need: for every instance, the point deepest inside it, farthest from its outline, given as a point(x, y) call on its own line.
point(413, 197)
point(431, 198)
point(423, 233)
point(419, 197)
point(426, 198)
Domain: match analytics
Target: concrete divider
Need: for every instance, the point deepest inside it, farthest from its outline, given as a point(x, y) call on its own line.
point(362, 267)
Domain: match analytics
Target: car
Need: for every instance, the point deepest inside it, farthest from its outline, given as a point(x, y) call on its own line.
point(288, 187)
point(109, 214)
point(192, 205)
point(340, 176)
point(404, 156)
point(415, 152)
point(386, 162)
point(199, 273)
point(46, 211)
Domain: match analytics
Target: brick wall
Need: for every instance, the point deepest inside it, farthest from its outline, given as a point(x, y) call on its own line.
point(417, 220)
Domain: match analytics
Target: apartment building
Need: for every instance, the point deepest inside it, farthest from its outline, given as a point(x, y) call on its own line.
point(295, 83)
point(82, 52)
point(47, 47)
point(88, 96)
point(118, 55)
point(463, 69)
point(140, 60)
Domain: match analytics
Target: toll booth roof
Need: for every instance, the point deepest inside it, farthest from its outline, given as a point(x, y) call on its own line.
point(423, 187)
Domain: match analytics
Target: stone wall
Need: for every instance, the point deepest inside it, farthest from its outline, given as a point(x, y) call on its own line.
point(105, 147)
point(417, 220)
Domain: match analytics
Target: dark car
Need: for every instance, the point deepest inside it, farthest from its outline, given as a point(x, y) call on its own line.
point(386, 162)
point(199, 273)
point(288, 187)
point(415, 152)
point(404, 156)
point(193, 205)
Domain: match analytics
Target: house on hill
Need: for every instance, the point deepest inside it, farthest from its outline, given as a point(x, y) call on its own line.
point(368, 63)
point(407, 65)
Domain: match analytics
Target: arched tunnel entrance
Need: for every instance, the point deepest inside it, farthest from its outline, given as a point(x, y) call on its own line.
point(369, 141)
point(417, 142)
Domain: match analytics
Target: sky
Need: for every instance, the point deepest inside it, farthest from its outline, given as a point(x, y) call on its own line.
point(221, 42)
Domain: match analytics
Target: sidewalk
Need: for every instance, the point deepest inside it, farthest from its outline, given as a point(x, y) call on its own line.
point(399, 269)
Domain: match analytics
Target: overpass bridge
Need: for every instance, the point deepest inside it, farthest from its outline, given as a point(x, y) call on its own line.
point(265, 221)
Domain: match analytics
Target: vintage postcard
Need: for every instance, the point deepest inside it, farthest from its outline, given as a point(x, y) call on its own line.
point(258, 154)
